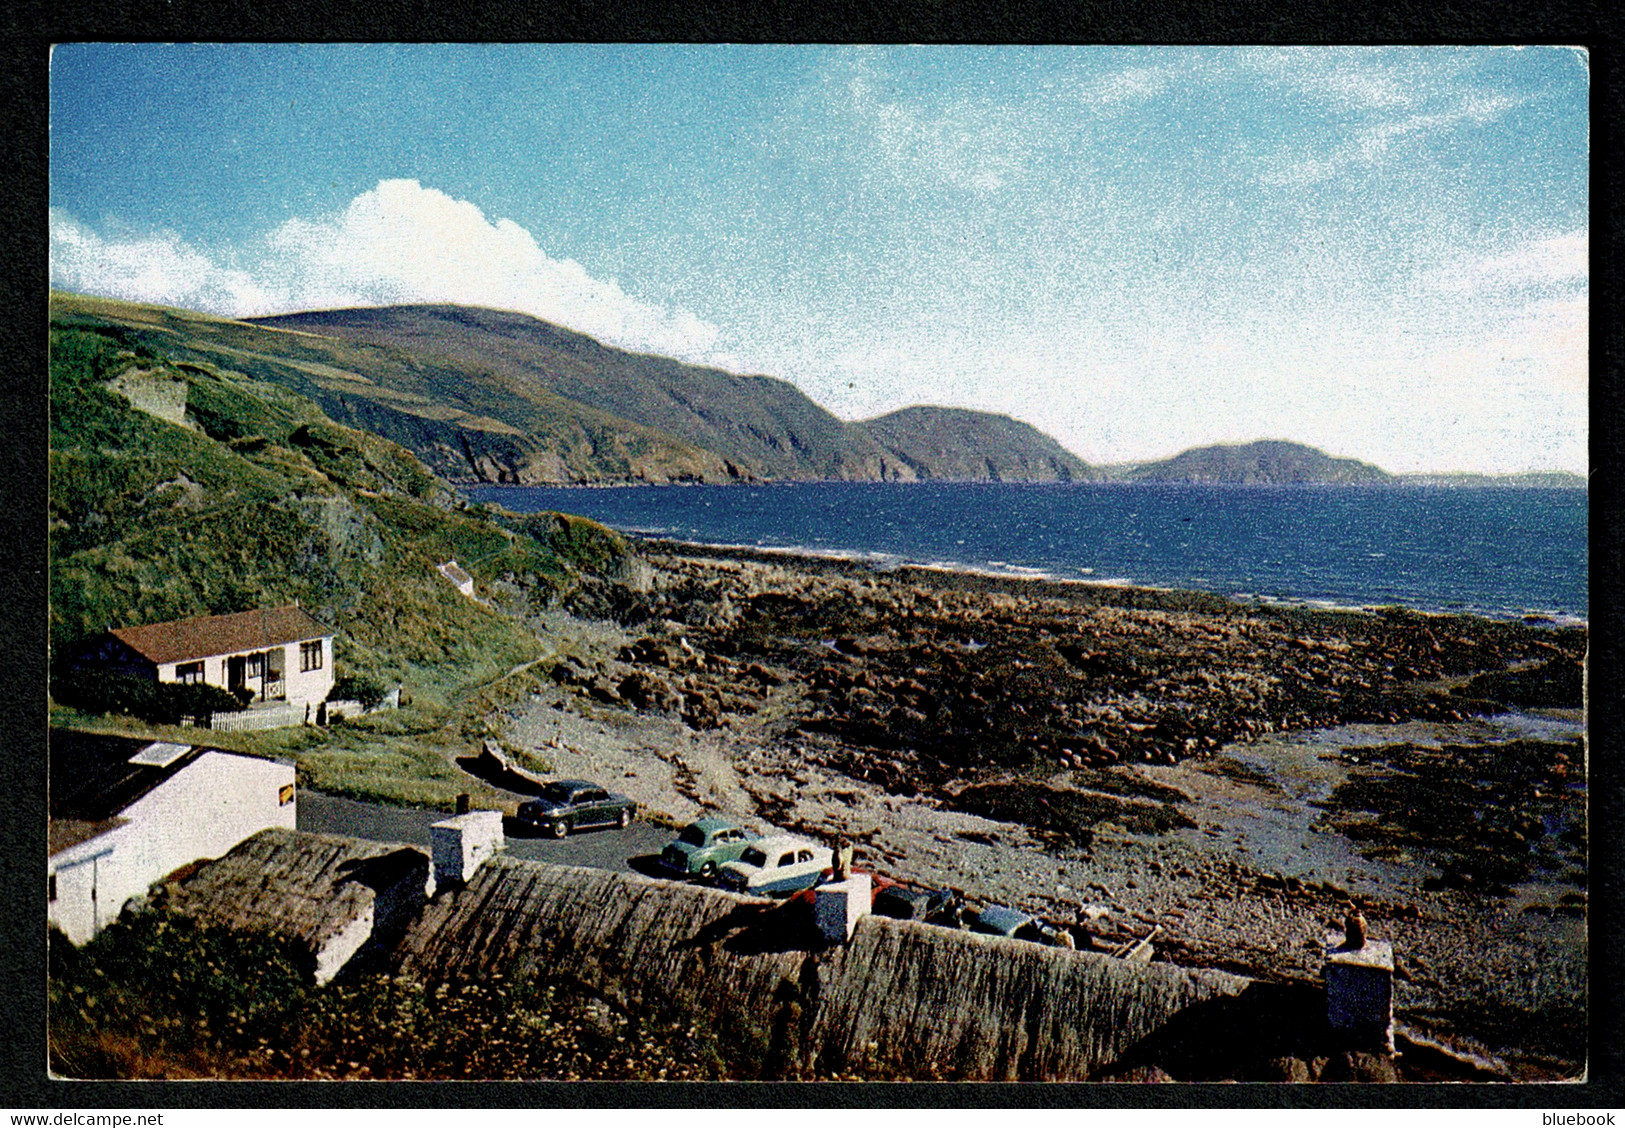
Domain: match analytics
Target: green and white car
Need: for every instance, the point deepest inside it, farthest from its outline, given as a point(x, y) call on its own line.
point(704, 846)
point(776, 867)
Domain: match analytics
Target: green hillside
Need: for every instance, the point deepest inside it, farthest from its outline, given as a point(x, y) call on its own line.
point(1267, 463)
point(463, 421)
point(256, 498)
point(763, 427)
point(482, 395)
point(950, 444)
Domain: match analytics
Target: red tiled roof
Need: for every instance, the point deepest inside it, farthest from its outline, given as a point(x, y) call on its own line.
point(183, 640)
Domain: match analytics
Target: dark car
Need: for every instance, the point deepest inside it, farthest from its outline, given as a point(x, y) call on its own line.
point(905, 902)
point(575, 804)
point(997, 920)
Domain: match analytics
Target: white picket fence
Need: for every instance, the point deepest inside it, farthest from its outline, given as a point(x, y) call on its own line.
point(272, 716)
point(291, 713)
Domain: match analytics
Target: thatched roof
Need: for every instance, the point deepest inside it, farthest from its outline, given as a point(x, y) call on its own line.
point(990, 1008)
point(619, 932)
point(927, 1000)
point(311, 887)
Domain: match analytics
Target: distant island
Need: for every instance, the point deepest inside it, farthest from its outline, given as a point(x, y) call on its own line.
point(1278, 463)
point(1266, 463)
point(482, 395)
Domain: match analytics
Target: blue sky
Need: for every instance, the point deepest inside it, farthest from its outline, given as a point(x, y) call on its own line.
point(1381, 252)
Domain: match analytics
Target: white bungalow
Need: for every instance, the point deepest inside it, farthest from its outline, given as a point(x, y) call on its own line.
point(281, 654)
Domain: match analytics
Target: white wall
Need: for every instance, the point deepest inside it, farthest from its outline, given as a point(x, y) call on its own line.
point(462, 844)
point(311, 686)
point(304, 687)
point(214, 671)
point(87, 880)
point(200, 812)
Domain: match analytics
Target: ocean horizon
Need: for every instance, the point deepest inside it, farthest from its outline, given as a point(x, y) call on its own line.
point(1500, 552)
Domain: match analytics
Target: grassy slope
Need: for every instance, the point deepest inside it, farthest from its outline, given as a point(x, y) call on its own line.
point(263, 500)
point(762, 425)
point(463, 421)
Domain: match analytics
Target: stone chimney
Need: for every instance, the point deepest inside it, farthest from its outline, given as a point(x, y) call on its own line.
point(1359, 974)
point(463, 843)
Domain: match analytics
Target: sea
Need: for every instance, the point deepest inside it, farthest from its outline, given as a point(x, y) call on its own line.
point(1503, 553)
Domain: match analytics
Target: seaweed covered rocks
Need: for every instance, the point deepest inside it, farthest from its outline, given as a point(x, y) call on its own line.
point(920, 678)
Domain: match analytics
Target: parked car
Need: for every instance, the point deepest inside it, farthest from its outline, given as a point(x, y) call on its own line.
point(775, 866)
point(575, 804)
point(705, 845)
point(906, 902)
point(997, 920)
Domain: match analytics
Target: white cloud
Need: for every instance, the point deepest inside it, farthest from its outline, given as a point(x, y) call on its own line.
point(162, 269)
point(1550, 339)
point(1131, 84)
point(1561, 261)
point(964, 143)
point(1355, 79)
point(399, 242)
point(1387, 104)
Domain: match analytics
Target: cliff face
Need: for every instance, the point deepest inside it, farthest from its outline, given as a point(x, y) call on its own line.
point(949, 444)
point(482, 395)
point(753, 426)
point(464, 422)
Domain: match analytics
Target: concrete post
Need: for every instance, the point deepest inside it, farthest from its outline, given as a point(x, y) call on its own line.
point(839, 905)
point(460, 845)
point(1360, 992)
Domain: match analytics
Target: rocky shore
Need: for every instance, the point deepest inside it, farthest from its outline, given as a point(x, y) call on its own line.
point(1234, 775)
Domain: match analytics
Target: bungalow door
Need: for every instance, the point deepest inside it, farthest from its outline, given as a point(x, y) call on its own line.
point(236, 673)
point(273, 687)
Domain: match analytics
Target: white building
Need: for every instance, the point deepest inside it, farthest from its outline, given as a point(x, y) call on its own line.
point(127, 812)
point(280, 654)
point(458, 577)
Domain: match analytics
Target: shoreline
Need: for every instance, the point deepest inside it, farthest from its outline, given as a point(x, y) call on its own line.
point(462, 483)
point(1350, 555)
point(890, 564)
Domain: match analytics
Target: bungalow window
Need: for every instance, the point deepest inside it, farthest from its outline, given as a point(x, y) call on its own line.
point(256, 665)
point(50, 888)
point(310, 655)
point(189, 673)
